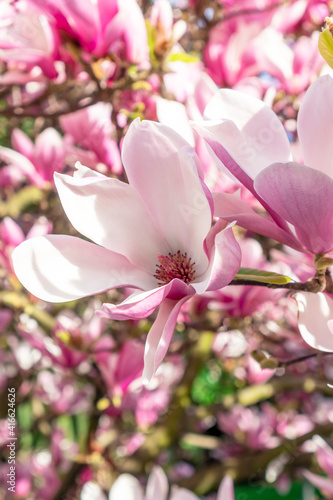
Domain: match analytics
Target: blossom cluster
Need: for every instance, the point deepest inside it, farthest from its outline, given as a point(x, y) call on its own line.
point(166, 248)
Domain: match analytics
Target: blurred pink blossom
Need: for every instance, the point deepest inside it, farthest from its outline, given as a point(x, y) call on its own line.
point(91, 129)
point(35, 162)
point(101, 27)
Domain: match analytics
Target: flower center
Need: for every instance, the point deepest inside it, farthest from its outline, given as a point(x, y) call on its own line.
point(174, 265)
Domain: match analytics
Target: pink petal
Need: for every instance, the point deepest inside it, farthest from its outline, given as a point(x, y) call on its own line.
point(314, 312)
point(59, 268)
point(230, 207)
point(260, 128)
point(49, 153)
point(42, 227)
point(225, 260)
point(204, 91)
point(324, 484)
point(157, 486)
point(182, 494)
point(129, 27)
point(226, 490)
point(314, 120)
point(235, 163)
point(142, 304)
point(159, 336)
point(22, 143)
point(112, 214)
point(304, 197)
point(225, 160)
point(83, 20)
point(324, 455)
point(161, 166)
point(107, 10)
point(130, 363)
point(25, 165)
point(10, 233)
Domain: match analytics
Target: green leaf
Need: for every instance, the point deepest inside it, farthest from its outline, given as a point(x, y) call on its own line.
point(325, 46)
point(211, 385)
point(254, 492)
point(246, 273)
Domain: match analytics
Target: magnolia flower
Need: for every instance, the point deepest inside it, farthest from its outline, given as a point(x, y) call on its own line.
point(28, 38)
point(102, 27)
point(247, 139)
point(91, 128)
point(153, 234)
point(36, 162)
point(128, 487)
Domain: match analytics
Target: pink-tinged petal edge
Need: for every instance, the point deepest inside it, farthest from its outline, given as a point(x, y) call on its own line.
point(304, 197)
point(159, 336)
point(231, 208)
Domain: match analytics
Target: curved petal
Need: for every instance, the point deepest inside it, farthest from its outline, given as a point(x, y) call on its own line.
point(204, 91)
point(128, 26)
point(49, 153)
point(112, 214)
point(230, 207)
point(126, 487)
point(142, 304)
point(59, 268)
point(226, 490)
point(157, 486)
point(183, 494)
point(314, 312)
point(225, 260)
point(22, 143)
point(313, 123)
point(234, 163)
point(324, 455)
point(324, 484)
point(173, 114)
point(260, 128)
point(92, 491)
point(162, 167)
point(159, 336)
point(304, 197)
point(10, 233)
point(25, 165)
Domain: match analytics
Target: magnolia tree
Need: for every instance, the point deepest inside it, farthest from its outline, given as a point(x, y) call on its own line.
point(166, 250)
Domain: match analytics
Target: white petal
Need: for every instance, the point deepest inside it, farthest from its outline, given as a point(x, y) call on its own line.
point(112, 214)
point(315, 310)
point(157, 486)
point(92, 491)
point(126, 487)
point(59, 268)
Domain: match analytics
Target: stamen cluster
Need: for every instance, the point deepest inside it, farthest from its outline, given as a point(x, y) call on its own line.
point(176, 265)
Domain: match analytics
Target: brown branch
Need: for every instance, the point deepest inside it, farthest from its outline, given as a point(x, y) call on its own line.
point(315, 285)
point(290, 362)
